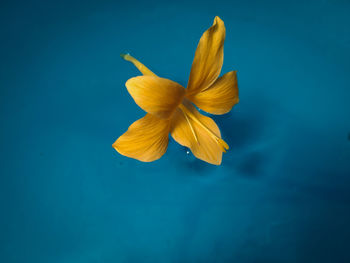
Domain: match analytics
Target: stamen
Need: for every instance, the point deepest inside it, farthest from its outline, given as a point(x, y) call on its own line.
point(191, 127)
point(223, 145)
point(142, 68)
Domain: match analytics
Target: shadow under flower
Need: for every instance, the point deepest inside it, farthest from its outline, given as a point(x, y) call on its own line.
point(249, 133)
point(244, 129)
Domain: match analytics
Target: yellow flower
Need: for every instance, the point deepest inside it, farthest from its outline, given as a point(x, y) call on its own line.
point(170, 110)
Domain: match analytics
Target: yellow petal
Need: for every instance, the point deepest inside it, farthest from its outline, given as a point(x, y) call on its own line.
point(220, 97)
point(145, 140)
point(208, 58)
point(142, 68)
point(155, 95)
point(203, 138)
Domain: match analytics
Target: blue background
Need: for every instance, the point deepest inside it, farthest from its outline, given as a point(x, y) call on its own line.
point(283, 191)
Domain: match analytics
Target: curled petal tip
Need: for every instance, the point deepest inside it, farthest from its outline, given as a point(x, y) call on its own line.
point(142, 68)
point(217, 19)
point(125, 55)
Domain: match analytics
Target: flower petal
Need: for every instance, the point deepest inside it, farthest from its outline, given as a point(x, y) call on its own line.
point(142, 68)
point(145, 140)
point(208, 58)
point(157, 96)
point(188, 132)
point(220, 97)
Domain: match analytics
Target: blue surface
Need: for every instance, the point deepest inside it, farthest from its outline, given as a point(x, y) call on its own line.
point(283, 191)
